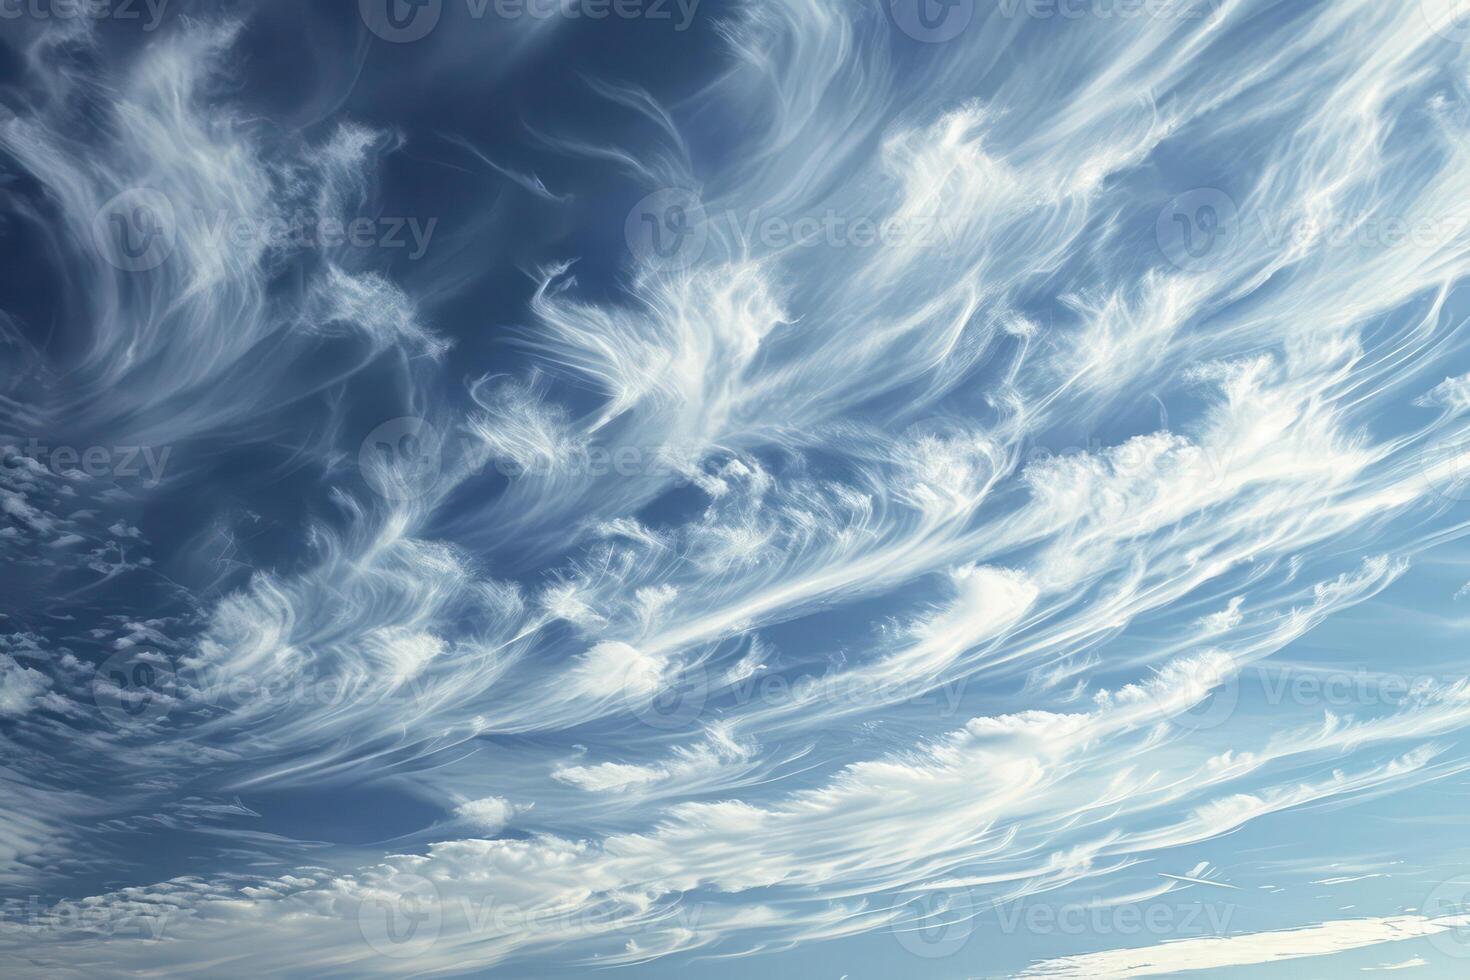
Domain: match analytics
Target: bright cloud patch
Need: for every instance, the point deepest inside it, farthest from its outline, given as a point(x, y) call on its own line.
point(953, 489)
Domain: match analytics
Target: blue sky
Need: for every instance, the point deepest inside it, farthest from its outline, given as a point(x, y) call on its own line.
point(807, 488)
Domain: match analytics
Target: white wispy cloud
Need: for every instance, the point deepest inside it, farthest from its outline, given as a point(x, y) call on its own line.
point(738, 602)
point(1214, 953)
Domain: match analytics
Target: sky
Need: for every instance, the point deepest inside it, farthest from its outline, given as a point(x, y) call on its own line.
point(786, 488)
